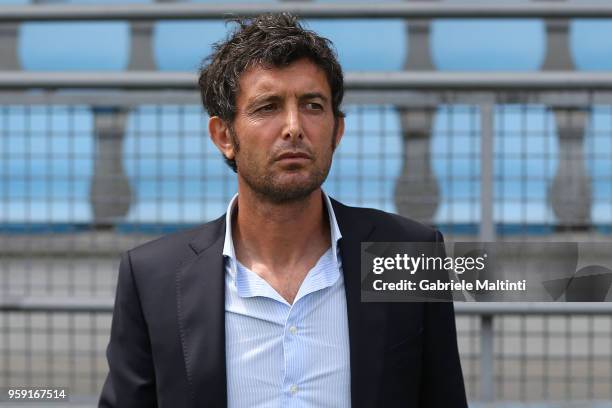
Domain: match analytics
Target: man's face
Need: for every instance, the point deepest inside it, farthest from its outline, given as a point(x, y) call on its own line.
point(283, 132)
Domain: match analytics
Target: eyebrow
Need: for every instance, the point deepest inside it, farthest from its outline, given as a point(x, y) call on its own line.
point(275, 98)
point(261, 99)
point(313, 95)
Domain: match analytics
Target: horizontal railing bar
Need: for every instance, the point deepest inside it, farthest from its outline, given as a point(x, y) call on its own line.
point(400, 98)
point(56, 304)
point(533, 308)
point(356, 81)
point(11, 80)
point(100, 305)
point(408, 10)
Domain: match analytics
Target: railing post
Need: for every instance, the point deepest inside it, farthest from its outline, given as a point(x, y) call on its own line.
point(487, 373)
point(8, 47)
point(141, 46)
point(487, 223)
point(486, 234)
point(416, 189)
point(110, 194)
point(570, 193)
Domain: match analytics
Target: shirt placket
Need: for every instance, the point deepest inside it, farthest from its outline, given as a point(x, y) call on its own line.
point(292, 381)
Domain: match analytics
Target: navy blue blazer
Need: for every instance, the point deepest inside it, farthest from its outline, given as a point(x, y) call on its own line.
point(167, 343)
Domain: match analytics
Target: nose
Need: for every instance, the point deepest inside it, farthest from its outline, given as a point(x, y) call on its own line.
point(293, 126)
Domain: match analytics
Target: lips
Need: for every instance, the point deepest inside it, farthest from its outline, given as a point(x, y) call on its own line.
point(293, 155)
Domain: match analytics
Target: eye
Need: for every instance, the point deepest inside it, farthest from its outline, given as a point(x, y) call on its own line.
point(314, 106)
point(267, 108)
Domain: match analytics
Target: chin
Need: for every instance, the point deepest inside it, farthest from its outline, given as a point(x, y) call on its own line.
point(295, 177)
point(293, 191)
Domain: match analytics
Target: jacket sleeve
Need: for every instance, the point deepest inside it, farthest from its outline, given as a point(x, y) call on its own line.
point(131, 378)
point(442, 380)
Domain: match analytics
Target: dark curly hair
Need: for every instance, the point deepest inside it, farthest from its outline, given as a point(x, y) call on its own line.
point(269, 40)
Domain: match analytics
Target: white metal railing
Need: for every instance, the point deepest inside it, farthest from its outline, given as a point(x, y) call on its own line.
point(404, 10)
point(406, 88)
point(487, 312)
point(105, 305)
point(358, 81)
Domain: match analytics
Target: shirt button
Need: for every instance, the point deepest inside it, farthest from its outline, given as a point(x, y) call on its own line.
point(293, 389)
point(293, 329)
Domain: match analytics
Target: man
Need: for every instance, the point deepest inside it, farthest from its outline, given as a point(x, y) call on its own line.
point(261, 307)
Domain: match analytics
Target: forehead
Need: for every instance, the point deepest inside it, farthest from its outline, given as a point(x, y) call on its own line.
point(297, 78)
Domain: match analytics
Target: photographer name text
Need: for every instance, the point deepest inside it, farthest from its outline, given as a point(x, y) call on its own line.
point(426, 285)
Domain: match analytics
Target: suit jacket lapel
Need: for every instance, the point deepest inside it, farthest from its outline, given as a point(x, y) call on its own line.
point(367, 321)
point(201, 313)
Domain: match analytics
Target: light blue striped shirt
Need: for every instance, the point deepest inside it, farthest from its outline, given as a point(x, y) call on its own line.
point(283, 355)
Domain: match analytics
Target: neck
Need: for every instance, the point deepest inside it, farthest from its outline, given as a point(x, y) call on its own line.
point(279, 235)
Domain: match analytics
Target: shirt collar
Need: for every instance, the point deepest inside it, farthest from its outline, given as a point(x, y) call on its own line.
point(228, 244)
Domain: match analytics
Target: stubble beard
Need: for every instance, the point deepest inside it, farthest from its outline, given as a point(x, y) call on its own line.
point(266, 184)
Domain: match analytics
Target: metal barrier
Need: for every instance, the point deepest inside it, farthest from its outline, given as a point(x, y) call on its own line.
point(49, 337)
point(119, 180)
point(494, 340)
point(406, 10)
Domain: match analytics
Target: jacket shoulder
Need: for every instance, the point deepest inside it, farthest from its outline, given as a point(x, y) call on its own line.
point(174, 247)
point(393, 226)
point(167, 242)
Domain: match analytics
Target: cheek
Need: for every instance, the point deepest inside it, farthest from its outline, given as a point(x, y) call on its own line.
point(262, 133)
point(253, 149)
point(321, 136)
point(264, 125)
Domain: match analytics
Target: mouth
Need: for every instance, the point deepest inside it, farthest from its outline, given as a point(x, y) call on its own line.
point(294, 156)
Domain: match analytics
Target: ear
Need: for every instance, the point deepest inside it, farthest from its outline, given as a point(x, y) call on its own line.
point(339, 130)
point(220, 136)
